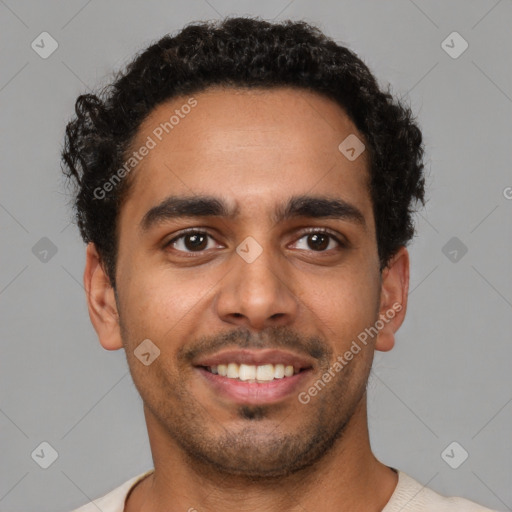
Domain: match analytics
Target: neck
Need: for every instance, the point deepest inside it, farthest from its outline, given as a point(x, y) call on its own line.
point(348, 478)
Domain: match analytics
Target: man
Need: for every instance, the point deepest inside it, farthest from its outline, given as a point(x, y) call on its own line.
point(246, 191)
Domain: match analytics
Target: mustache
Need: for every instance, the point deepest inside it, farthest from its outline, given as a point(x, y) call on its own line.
point(274, 338)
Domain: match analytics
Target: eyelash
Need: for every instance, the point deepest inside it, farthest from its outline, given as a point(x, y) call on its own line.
point(308, 231)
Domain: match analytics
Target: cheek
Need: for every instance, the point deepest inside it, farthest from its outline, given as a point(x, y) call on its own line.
point(161, 304)
point(343, 303)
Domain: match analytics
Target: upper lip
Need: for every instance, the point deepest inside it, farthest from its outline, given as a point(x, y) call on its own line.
point(257, 358)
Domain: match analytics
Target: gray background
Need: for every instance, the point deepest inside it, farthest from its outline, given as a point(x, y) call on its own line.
point(448, 377)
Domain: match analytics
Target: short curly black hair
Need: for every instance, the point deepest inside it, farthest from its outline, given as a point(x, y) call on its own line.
point(242, 52)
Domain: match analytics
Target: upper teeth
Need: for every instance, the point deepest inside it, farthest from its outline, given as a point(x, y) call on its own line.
point(251, 372)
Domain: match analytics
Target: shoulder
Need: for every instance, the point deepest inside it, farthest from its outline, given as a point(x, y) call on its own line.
point(114, 501)
point(411, 496)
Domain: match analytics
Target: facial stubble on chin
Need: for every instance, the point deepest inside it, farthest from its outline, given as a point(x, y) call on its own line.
point(252, 450)
point(258, 453)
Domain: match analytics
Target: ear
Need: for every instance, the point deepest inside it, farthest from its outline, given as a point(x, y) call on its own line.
point(393, 300)
point(101, 301)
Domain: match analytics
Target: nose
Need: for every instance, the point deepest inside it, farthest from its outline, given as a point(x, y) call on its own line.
point(257, 295)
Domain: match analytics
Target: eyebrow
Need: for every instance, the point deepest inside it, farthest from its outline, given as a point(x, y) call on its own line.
point(317, 207)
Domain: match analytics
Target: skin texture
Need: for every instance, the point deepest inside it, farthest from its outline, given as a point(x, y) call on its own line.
point(254, 149)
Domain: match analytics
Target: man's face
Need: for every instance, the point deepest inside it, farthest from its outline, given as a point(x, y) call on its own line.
point(289, 295)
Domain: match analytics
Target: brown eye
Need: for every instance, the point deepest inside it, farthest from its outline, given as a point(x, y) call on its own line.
point(193, 241)
point(318, 241)
point(196, 242)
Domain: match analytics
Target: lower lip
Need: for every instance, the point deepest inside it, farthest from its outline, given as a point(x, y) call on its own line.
point(255, 392)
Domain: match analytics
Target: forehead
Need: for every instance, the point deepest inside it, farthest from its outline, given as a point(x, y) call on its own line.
point(252, 146)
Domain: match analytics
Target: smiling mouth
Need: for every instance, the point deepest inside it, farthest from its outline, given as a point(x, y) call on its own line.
point(261, 376)
point(254, 373)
